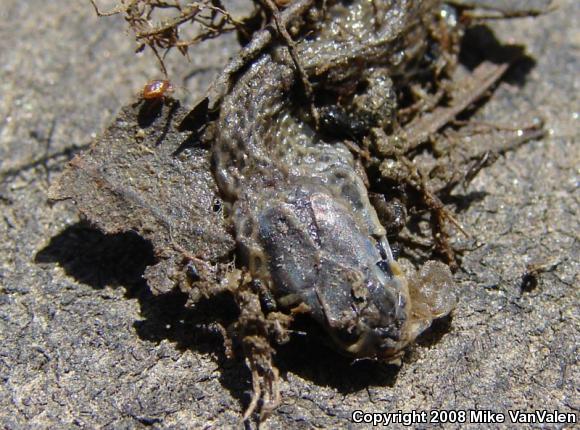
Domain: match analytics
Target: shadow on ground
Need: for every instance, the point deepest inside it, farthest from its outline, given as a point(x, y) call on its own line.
point(480, 44)
point(120, 260)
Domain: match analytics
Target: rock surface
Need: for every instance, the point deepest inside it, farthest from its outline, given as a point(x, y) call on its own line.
point(84, 343)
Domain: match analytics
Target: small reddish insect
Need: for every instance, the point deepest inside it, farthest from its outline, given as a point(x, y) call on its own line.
point(157, 90)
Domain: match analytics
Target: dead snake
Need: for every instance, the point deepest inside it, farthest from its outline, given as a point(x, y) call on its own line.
point(303, 221)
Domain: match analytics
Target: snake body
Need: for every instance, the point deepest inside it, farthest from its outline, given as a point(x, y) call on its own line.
point(302, 217)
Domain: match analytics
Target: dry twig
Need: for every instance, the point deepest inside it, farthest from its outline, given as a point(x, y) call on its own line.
point(157, 23)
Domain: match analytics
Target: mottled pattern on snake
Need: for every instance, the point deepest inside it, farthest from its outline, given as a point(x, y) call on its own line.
point(303, 221)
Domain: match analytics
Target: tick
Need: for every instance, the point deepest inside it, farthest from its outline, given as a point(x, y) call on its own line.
point(157, 90)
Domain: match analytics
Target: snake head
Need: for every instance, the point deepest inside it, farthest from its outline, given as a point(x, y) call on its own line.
point(321, 256)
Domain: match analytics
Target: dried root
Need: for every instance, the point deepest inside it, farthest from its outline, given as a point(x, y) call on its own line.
point(265, 376)
point(257, 331)
point(426, 124)
point(157, 23)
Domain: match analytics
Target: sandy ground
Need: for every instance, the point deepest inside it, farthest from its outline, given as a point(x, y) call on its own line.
point(84, 343)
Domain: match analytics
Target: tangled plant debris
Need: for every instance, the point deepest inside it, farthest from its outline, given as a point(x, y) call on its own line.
point(158, 24)
point(330, 140)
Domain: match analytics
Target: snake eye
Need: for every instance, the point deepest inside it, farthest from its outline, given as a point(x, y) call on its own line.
point(385, 267)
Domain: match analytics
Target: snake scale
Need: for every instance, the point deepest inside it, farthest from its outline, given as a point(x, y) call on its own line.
point(303, 221)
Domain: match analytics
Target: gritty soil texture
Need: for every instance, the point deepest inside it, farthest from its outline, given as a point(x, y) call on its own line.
point(84, 342)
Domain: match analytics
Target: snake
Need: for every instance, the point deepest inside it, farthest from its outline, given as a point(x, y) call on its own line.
point(298, 202)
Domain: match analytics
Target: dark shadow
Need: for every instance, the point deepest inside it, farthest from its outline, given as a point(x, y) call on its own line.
point(197, 117)
point(149, 111)
point(152, 110)
point(196, 122)
point(308, 355)
point(120, 260)
point(480, 44)
point(463, 202)
point(97, 259)
point(529, 282)
point(195, 327)
point(173, 107)
point(251, 25)
point(439, 328)
point(192, 141)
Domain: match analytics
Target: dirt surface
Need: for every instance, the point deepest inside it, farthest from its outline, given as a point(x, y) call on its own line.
point(84, 342)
